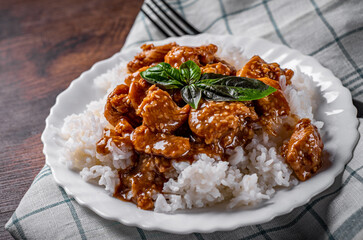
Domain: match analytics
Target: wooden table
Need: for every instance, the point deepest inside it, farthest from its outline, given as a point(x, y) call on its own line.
point(44, 45)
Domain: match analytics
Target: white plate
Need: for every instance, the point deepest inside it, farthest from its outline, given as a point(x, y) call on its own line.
point(336, 110)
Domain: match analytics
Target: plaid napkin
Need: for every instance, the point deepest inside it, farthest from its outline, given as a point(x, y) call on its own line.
point(331, 31)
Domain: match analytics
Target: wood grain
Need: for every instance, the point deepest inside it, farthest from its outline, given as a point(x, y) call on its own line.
point(44, 45)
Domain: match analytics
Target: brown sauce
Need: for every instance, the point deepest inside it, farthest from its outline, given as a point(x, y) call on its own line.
point(158, 127)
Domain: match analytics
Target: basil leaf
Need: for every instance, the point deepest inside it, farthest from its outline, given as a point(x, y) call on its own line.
point(164, 75)
point(190, 71)
point(191, 95)
point(231, 88)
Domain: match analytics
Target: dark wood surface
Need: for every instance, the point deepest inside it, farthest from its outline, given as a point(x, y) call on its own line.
point(44, 45)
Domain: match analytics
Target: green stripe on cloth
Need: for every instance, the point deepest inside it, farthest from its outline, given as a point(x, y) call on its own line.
point(334, 41)
point(337, 40)
point(45, 168)
point(231, 14)
point(356, 175)
point(18, 226)
point(306, 209)
point(177, 2)
point(263, 232)
point(224, 16)
point(321, 222)
point(40, 177)
point(141, 233)
point(190, 4)
point(45, 171)
point(351, 226)
point(279, 228)
point(347, 76)
point(354, 79)
point(357, 93)
point(355, 87)
point(352, 173)
point(277, 30)
point(37, 211)
point(198, 236)
point(74, 214)
point(181, 8)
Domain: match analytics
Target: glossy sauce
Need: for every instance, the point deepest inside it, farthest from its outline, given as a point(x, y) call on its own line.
point(158, 127)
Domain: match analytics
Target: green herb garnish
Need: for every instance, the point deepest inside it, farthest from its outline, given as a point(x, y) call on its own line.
point(211, 86)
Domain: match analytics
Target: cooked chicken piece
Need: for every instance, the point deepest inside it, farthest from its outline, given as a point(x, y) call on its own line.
point(258, 68)
point(123, 128)
point(111, 114)
point(144, 181)
point(200, 55)
point(135, 77)
point(217, 68)
point(118, 95)
point(303, 151)
point(138, 87)
point(118, 98)
point(160, 144)
point(118, 106)
point(160, 113)
point(149, 55)
point(222, 122)
point(230, 66)
point(138, 91)
point(272, 107)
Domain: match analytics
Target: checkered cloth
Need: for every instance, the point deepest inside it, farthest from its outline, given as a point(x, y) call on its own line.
point(331, 31)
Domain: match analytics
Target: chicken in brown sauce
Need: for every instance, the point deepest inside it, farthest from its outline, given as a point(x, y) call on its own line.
point(160, 113)
point(218, 68)
point(149, 55)
point(118, 107)
point(159, 144)
point(303, 151)
point(224, 123)
point(256, 67)
point(200, 55)
point(160, 127)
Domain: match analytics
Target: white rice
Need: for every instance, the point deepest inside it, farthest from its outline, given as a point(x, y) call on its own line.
point(250, 176)
point(82, 132)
